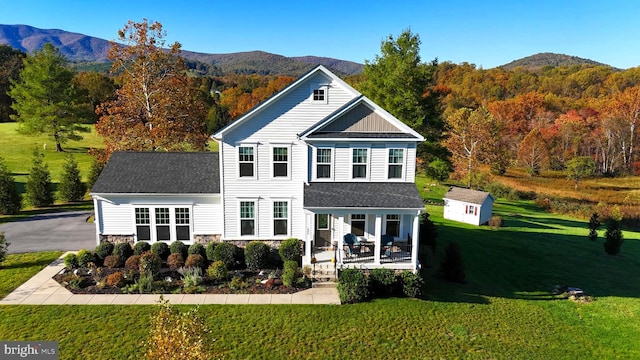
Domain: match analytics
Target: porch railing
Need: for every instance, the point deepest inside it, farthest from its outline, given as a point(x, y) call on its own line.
point(399, 252)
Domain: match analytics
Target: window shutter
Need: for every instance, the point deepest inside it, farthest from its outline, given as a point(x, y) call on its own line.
point(476, 211)
point(466, 209)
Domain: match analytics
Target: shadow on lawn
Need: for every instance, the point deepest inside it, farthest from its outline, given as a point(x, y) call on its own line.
point(508, 263)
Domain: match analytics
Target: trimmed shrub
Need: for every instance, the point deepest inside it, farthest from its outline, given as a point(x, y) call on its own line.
point(161, 249)
point(104, 249)
point(353, 286)
point(194, 261)
point(290, 249)
point(197, 248)
point(133, 262)
point(217, 271)
point(383, 282)
point(175, 261)
point(85, 257)
point(238, 283)
point(123, 251)
point(141, 247)
point(70, 261)
point(178, 247)
point(495, 222)
point(256, 255)
point(225, 252)
point(452, 266)
point(412, 284)
point(149, 264)
point(211, 247)
point(613, 237)
point(116, 279)
point(112, 261)
point(291, 273)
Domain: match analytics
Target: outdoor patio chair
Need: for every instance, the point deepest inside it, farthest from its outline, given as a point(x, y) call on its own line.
point(386, 243)
point(353, 245)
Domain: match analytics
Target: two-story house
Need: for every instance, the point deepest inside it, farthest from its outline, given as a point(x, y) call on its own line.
point(316, 161)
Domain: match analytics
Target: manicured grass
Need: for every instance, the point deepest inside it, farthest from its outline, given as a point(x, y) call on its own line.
point(17, 151)
point(504, 311)
point(18, 268)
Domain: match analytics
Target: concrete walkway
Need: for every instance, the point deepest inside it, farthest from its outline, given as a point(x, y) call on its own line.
point(43, 290)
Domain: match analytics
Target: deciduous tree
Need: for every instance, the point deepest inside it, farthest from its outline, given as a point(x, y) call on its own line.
point(580, 167)
point(10, 66)
point(157, 106)
point(44, 98)
point(533, 152)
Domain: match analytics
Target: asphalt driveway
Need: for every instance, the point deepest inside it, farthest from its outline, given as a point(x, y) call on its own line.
point(65, 231)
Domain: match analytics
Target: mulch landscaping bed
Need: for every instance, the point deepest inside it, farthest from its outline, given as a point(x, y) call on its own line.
point(170, 281)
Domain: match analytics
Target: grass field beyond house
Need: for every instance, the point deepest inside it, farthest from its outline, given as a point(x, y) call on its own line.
point(504, 311)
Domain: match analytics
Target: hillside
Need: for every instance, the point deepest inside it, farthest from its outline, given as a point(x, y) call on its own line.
point(85, 51)
point(540, 60)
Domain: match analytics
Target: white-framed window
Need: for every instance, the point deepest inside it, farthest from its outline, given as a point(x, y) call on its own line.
point(143, 224)
point(280, 218)
point(392, 226)
point(319, 94)
point(395, 164)
point(280, 160)
point(183, 224)
point(359, 163)
point(246, 161)
point(322, 221)
point(358, 224)
point(247, 218)
point(324, 160)
point(163, 223)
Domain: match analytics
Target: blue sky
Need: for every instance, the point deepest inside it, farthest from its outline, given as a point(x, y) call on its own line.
point(487, 33)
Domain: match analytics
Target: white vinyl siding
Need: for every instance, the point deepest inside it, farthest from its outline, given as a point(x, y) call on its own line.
point(116, 219)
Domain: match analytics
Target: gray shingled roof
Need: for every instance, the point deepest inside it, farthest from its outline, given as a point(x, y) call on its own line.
point(362, 195)
point(368, 135)
point(160, 173)
point(466, 195)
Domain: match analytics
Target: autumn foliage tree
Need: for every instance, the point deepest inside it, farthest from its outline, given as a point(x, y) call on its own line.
point(533, 152)
point(157, 107)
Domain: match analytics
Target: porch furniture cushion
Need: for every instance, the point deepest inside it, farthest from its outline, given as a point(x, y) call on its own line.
point(387, 243)
point(353, 245)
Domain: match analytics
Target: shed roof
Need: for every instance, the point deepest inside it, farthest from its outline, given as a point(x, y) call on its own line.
point(160, 173)
point(382, 195)
point(467, 195)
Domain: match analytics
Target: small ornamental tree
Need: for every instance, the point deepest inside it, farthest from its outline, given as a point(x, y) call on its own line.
point(10, 198)
point(39, 189)
point(177, 335)
point(594, 225)
point(613, 237)
point(452, 266)
point(4, 245)
point(71, 187)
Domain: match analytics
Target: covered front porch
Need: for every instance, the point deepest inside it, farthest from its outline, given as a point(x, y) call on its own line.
point(362, 238)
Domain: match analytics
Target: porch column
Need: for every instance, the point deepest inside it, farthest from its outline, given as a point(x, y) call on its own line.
point(377, 237)
point(309, 235)
point(414, 239)
point(340, 238)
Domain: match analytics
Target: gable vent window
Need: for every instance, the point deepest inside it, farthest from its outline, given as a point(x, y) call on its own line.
point(320, 95)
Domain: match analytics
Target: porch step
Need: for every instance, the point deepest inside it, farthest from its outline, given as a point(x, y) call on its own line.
point(323, 284)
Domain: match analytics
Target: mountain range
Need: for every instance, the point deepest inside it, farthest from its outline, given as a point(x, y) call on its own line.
point(91, 52)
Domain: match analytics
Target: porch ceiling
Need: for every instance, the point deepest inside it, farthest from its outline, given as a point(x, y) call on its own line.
point(393, 195)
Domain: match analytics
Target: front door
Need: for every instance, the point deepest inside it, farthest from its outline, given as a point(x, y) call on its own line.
point(323, 231)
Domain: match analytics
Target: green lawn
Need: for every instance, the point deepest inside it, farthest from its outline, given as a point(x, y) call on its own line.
point(505, 311)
